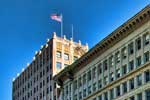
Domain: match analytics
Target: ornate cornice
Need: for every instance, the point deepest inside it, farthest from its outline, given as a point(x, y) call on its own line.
point(120, 33)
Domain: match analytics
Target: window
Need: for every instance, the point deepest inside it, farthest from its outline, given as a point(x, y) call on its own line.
point(139, 80)
point(131, 65)
point(138, 44)
point(132, 98)
point(147, 94)
point(146, 39)
point(79, 82)
point(105, 65)
point(138, 61)
point(124, 53)
point(131, 50)
point(105, 80)
point(146, 57)
point(75, 85)
point(112, 77)
point(131, 82)
point(84, 79)
point(99, 84)
point(100, 97)
point(89, 75)
point(58, 65)
point(75, 58)
point(80, 95)
point(84, 93)
point(99, 69)
point(94, 72)
point(124, 87)
point(124, 69)
point(118, 90)
point(111, 63)
point(118, 73)
point(94, 87)
point(111, 94)
point(65, 65)
point(89, 90)
point(118, 57)
point(66, 56)
point(147, 76)
point(58, 54)
point(139, 96)
point(105, 96)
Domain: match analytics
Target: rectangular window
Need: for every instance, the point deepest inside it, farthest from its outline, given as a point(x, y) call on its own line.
point(139, 80)
point(75, 58)
point(89, 75)
point(58, 54)
point(75, 85)
point(105, 80)
point(99, 69)
point(146, 56)
point(118, 90)
point(111, 94)
point(94, 72)
point(138, 61)
point(124, 53)
point(147, 76)
point(89, 90)
point(124, 87)
point(79, 82)
point(138, 44)
point(94, 87)
point(105, 96)
point(84, 93)
point(117, 57)
point(118, 73)
point(84, 79)
point(100, 97)
point(112, 77)
point(105, 65)
point(146, 39)
point(65, 65)
point(99, 84)
point(66, 56)
point(111, 62)
point(147, 94)
point(131, 82)
point(139, 96)
point(132, 98)
point(131, 65)
point(131, 49)
point(124, 69)
point(58, 65)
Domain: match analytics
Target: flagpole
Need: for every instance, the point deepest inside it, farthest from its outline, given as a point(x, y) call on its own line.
point(61, 25)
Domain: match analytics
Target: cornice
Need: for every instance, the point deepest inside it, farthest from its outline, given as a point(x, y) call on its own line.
point(117, 35)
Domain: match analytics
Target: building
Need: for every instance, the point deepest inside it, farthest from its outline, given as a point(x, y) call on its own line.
point(117, 68)
point(35, 82)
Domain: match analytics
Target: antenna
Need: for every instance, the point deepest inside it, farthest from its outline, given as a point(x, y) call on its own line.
point(72, 30)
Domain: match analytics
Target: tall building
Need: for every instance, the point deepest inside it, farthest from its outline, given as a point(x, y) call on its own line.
point(117, 68)
point(35, 82)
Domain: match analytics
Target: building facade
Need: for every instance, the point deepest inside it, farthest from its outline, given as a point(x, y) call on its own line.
point(117, 68)
point(35, 82)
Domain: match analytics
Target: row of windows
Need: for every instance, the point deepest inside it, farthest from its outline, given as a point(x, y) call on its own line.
point(140, 96)
point(127, 86)
point(66, 56)
point(25, 77)
point(117, 69)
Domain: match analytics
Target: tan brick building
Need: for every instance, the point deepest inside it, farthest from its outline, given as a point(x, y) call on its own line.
point(117, 68)
point(35, 82)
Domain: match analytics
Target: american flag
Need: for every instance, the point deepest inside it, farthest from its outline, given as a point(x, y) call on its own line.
point(56, 17)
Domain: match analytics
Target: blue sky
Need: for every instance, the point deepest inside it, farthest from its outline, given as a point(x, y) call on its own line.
point(25, 25)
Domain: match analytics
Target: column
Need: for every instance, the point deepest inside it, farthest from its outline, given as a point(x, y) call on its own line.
point(142, 48)
point(143, 78)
